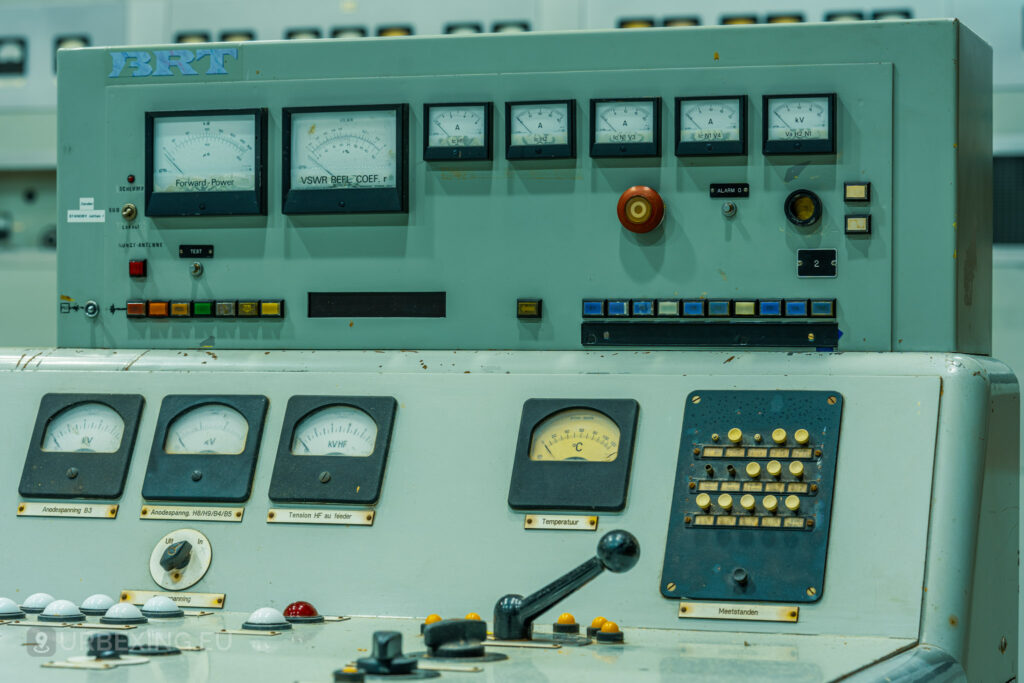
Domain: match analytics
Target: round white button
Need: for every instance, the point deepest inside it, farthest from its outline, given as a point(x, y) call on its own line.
point(161, 607)
point(266, 619)
point(62, 610)
point(36, 603)
point(97, 604)
point(10, 610)
point(123, 613)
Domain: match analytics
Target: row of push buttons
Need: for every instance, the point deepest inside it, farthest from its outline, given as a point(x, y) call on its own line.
point(709, 308)
point(265, 308)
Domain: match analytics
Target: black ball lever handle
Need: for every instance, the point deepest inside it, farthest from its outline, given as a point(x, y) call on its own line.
point(617, 551)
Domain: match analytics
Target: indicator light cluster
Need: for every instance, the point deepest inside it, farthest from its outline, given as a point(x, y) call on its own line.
point(231, 308)
point(709, 308)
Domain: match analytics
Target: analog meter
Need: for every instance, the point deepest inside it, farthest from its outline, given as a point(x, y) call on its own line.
point(211, 429)
point(540, 130)
point(81, 446)
point(576, 434)
point(457, 132)
point(625, 128)
point(204, 448)
point(707, 126)
point(573, 454)
point(336, 430)
point(333, 449)
point(205, 163)
point(800, 124)
point(345, 159)
point(85, 428)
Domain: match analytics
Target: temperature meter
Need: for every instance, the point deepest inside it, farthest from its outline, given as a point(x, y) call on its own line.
point(345, 159)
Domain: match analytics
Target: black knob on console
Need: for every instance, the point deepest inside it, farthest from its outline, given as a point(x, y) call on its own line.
point(617, 551)
point(107, 645)
point(388, 660)
point(176, 556)
point(453, 638)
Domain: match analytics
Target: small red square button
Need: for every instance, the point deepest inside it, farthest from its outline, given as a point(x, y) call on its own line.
point(137, 268)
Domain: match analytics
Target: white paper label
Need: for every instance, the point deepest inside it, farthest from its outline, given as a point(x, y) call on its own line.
point(313, 516)
point(742, 611)
point(90, 511)
point(206, 514)
point(566, 522)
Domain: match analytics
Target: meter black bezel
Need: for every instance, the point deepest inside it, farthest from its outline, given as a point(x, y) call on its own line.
point(561, 151)
point(246, 203)
point(705, 149)
point(475, 153)
point(572, 485)
point(224, 477)
point(98, 475)
point(630, 149)
point(352, 480)
point(359, 200)
point(774, 147)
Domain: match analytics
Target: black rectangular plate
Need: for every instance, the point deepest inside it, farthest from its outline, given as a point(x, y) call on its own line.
point(781, 564)
point(99, 475)
point(730, 190)
point(377, 304)
point(710, 334)
point(195, 251)
point(816, 263)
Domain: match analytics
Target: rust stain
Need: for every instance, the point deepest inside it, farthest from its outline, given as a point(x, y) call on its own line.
point(716, 56)
point(65, 297)
point(351, 323)
point(25, 366)
point(129, 366)
point(729, 359)
point(953, 621)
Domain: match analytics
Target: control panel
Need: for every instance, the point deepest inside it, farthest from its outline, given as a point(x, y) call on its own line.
point(681, 193)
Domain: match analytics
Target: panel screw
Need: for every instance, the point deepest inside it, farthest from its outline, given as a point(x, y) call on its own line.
point(92, 309)
point(324, 477)
point(812, 591)
point(129, 212)
point(1002, 644)
point(729, 209)
point(196, 475)
point(810, 336)
point(671, 586)
point(695, 399)
point(196, 269)
point(832, 400)
point(72, 472)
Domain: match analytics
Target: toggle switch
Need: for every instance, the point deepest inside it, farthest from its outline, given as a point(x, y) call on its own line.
point(640, 209)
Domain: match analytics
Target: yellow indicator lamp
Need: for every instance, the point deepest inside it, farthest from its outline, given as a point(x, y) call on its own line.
point(785, 19)
point(474, 616)
point(802, 207)
point(566, 619)
point(737, 21)
point(682, 21)
point(636, 23)
point(394, 31)
point(433, 619)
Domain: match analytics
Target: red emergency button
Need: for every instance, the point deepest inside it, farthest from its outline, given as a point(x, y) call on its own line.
point(137, 268)
point(301, 612)
point(640, 209)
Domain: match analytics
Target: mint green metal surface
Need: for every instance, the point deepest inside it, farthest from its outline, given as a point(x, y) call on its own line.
point(489, 233)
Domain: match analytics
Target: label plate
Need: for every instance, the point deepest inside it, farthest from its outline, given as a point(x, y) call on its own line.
point(320, 516)
point(86, 510)
point(565, 522)
point(208, 600)
point(743, 611)
point(191, 512)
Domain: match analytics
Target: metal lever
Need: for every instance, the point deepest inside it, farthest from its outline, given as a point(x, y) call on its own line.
point(617, 551)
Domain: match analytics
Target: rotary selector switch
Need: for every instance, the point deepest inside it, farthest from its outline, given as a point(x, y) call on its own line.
point(180, 559)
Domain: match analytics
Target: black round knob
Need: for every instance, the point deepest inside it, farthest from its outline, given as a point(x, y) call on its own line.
point(455, 638)
point(107, 645)
point(618, 550)
point(176, 556)
point(740, 576)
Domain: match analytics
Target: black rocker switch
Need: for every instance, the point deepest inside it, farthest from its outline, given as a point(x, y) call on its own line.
point(453, 638)
point(617, 551)
point(176, 556)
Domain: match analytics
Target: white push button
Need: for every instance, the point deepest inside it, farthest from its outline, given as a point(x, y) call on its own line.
point(161, 607)
point(36, 603)
point(62, 611)
point(10, 610)
point(266, 619)
point(97, 605)
point(123, 613)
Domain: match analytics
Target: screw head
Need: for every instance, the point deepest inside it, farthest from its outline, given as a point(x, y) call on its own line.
point(196, 269)
point(729, 209)
point(92, 309)
point(72, 472)
point(324, 477)
point(196, 475)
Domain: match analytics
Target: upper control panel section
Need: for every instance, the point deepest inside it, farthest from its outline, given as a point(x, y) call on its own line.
point(773, 187)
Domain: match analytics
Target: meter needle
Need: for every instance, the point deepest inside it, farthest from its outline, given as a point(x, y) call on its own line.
point(694, 122)
point(524, 125)
point(170, 159)
point(783, 120)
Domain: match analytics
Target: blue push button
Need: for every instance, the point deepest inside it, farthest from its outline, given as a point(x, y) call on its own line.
point(618, 308)
point(823, 308)
point(718, 309)
point(693, 308)
point(770, 307)
point(593, 308)
point(796, 309)
point(643, 308)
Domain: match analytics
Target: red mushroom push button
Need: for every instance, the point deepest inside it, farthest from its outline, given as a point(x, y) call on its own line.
point(640, 209)
point(301, 612)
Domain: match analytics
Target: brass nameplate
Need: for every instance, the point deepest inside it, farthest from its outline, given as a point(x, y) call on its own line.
point(738, 610)
point(215, 600)
point(323, 516)
point(192, 512)
point(88, 510)
point(567, 522)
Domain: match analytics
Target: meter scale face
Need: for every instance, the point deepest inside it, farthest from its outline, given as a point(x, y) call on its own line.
point(711, 126)
point(345, 159)
point(573, 454)
point(84, 428)
point(204, 448)
point(576, 434)
point(540, 130)
point(625, 128)
point(333, 449)
point(205, 163)
point(799, 124)
point(81, 446)
point(457, 132)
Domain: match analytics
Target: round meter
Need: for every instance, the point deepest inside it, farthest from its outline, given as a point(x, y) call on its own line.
point(576, 434)
point(457, 131)
point(541, 130)
point(84, 428)
point(345, 159)
point(204, 153)
point(711, 125)
point(336, 430)
point(211, 428)
point(625, 127)
point(796, 124)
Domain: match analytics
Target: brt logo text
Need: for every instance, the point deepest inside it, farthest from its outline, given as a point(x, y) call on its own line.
point(140, 63)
